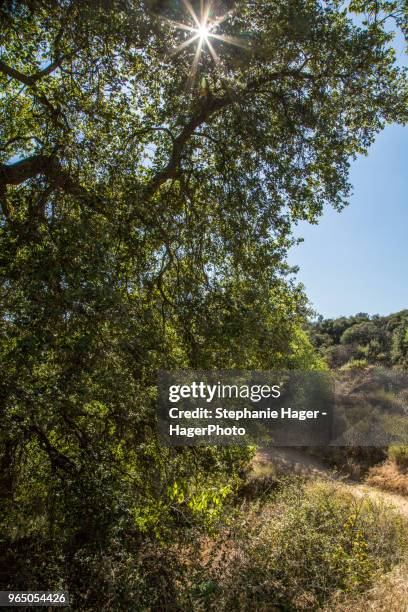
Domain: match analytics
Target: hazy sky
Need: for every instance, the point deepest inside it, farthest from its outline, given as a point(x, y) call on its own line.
point(357, 260)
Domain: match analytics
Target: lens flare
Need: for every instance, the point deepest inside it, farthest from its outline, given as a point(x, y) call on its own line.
point(202, 29)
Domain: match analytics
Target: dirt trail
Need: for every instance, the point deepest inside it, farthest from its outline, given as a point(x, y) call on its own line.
point(290, 460)
point(399, 502)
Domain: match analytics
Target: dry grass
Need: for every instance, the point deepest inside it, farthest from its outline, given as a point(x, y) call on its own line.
point(389, 477)
point(300, 548)
point(389, 594)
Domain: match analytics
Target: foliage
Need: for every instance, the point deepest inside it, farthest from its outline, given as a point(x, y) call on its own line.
point(355, 364)
point(399, 454)
point(378, 340)
point(296, 551)
point(377, 12)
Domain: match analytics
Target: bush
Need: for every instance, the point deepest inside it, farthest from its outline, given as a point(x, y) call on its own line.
point(389, 477)
point(297, 552)
point(337, 355)
point(399, 454)
point(352, 461)
point(355, 364)
point(360, 333)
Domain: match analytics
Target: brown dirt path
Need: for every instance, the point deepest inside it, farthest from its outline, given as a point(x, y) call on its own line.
point(277, 460)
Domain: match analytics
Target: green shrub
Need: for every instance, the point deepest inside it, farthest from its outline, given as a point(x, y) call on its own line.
point(355, 364)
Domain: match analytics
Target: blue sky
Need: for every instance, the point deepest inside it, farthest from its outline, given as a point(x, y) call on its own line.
point(357, 260)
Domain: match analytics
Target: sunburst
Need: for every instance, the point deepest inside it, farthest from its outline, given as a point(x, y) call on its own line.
point(203, 31)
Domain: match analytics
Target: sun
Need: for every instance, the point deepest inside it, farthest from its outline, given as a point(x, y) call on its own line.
point(204, 31)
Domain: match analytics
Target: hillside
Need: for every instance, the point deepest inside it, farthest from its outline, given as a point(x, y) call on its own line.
point(370, 339)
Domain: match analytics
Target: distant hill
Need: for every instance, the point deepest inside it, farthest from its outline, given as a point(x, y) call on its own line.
point(362, 339)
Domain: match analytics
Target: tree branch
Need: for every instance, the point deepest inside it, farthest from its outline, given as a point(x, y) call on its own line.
point(57, 176)
point(210, 107)
point(28, 79)
point(58, 459)
point(31, 79)
point(24, 169)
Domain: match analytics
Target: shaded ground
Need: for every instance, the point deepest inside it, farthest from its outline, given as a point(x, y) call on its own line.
point(279, 460)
